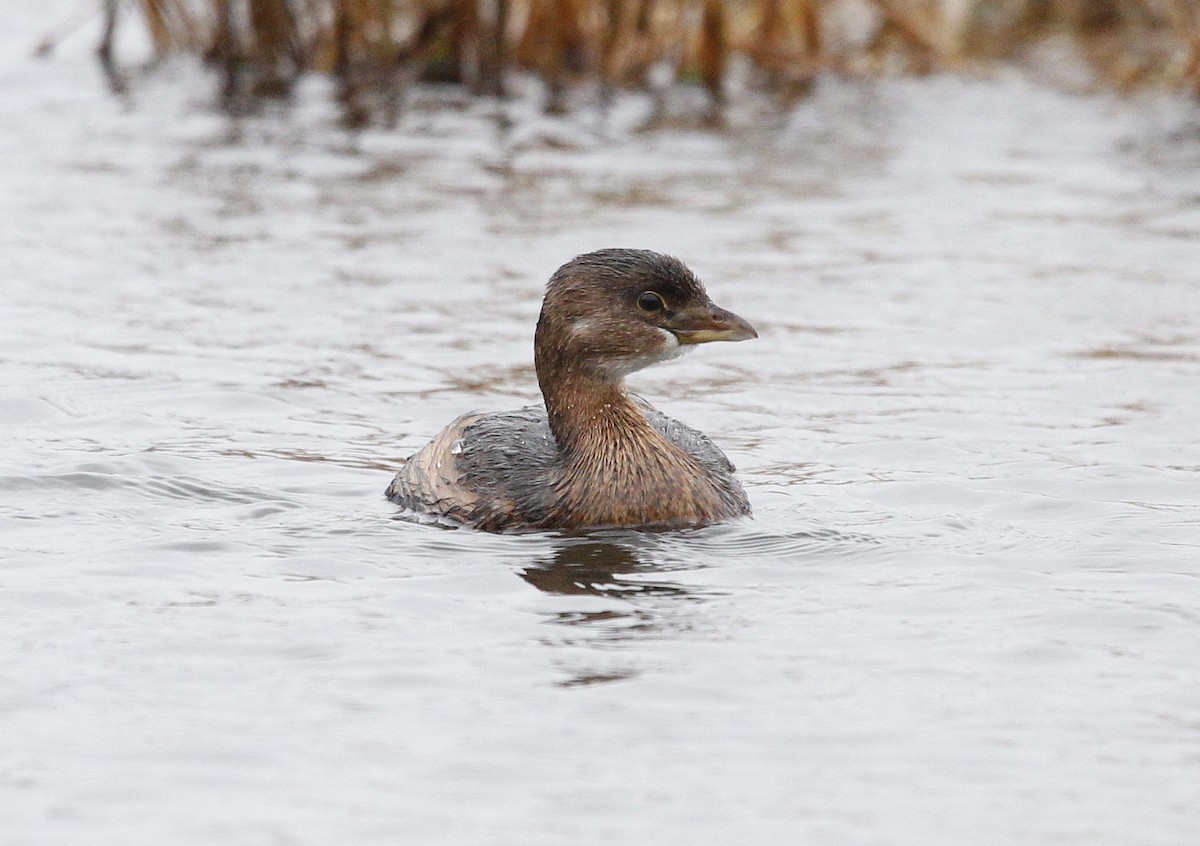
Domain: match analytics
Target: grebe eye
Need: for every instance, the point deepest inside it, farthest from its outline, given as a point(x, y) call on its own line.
point(651, 301)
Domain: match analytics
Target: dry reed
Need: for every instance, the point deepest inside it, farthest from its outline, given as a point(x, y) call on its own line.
point(376, 48)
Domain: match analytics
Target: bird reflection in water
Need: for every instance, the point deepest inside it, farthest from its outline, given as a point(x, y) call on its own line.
point(595, 568)
point(610, 570)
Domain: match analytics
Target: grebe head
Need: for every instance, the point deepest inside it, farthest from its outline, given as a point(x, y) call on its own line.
point(611, 312)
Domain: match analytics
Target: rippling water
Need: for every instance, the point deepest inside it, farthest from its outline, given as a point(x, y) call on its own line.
point(967, 609)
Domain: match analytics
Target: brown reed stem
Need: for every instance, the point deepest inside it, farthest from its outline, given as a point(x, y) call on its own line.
point(156, 21)
point(464, 36)
point(225, 49)
point(713, 55)
point(917, 28)
point(116, 82)
point(492, 50)
point(554, 45)
point(345, 33)
point(276, 43)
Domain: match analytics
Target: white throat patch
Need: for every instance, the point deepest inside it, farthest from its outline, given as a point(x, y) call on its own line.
point(619, 368)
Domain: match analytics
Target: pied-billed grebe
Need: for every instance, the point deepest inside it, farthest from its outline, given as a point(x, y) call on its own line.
point(594, 456)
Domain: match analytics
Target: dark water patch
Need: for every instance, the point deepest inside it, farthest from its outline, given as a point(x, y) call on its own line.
point(196, 547)
point(593, 679)
point(602, 568)
point(1133, 354)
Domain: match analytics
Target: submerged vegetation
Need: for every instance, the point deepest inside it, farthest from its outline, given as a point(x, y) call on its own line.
point(376, 49)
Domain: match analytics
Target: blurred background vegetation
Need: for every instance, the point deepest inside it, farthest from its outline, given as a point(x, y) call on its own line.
point(376, 49)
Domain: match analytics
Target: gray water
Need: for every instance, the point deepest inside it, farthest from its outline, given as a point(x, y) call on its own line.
point(966, 610)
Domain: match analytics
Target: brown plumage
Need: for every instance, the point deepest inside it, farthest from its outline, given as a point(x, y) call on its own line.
point(594, 456)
